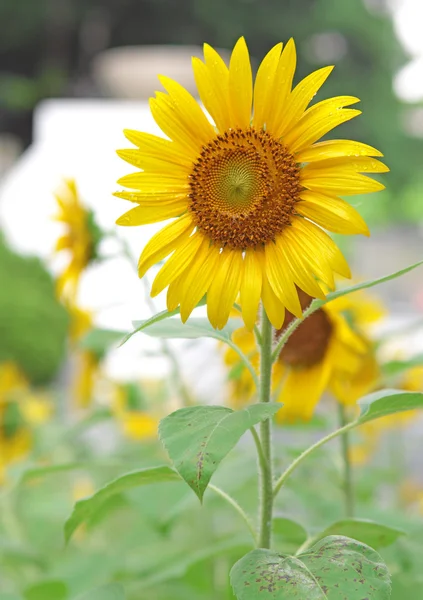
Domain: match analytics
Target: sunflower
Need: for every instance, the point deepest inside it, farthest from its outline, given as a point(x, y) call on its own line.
point(87, 362)
point(137, 424)
point(19, 410)
point(328, 350)
point(250, 194)
point(81, 239)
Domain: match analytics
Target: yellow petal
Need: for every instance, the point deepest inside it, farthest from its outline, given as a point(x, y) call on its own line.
point(140, 159)
point(300, 98)
point(156, 182)
point(336, 149)
point(240, 85)
point(263, 86)
point(157, 147)
point(274, 308)
point(198, 283)
point(302, 245)
point(300, 269)
point(188, 110)
point(153, 197)
point(144, 215)
point(164, 242)
point(218, 73)
point(344, 182)
point(302, 390)
point(224, 288)
point(333, 214)
point(251, 288)
point(166, 117)
point(179, 288)
point(214, 98)
point(176, 264)
point(63, 243)
point(319, 120)
point(282, 86)
point(324, 245)
point(280, 279)
point(359, 164)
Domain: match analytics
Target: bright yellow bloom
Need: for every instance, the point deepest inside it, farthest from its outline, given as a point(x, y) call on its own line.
point(327, 351)
point(251, 194)
point(81, 239)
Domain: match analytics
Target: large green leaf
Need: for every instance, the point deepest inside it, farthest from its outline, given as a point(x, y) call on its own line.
point(387, 402)
point(192, 329)
point(86, 508)
point(336, 568)
point(111, 591)
point(198, 438)
point(288, 535)
point(47, 590)
point(368, 532)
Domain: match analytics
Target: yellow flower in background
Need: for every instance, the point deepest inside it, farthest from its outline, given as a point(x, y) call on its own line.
point(86, 362)
point(324, 352)
point(250, 195)
point(20, 409)
point(81, 239)
point(136, 423)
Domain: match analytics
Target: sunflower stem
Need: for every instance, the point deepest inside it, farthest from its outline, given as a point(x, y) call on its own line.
point(348, 483)
point(266, 477)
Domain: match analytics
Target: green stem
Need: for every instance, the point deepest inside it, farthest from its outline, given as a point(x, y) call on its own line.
point(291, 328)
point(307, 452)
point(266, 478)
point(245, 360)
point(348, 483)
point(236, 506)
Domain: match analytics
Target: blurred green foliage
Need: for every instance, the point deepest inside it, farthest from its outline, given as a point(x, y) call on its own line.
point(33, 324)
point(356, 35)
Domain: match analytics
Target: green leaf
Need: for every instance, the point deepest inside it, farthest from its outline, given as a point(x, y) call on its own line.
point(111, 591)
point(336, 568)
point(198, 438)
point(161, 316)
point(393, 368)
point(364, 285)
point(86, 508)
point(99, 341)
point(192, 329)
point(47, 590)
point(387, 402)
point(366, 531)
point(288, 534)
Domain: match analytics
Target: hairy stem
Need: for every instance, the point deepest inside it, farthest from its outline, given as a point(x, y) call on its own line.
point(348, 483)
point(266, 477)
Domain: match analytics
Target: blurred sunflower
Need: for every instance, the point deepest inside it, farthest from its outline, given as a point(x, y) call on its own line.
point(87, 362)
point(81, 240)
point(251, 193)
point(20, 409)
point(328, 351)
point(136, 422)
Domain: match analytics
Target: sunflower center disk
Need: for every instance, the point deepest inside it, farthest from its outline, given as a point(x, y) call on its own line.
point(244, 187)
point(308, 344)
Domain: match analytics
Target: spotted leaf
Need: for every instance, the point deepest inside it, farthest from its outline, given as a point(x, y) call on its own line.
point(336, 568)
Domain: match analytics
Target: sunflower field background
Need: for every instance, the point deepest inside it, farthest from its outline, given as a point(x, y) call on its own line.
point(90, 365)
